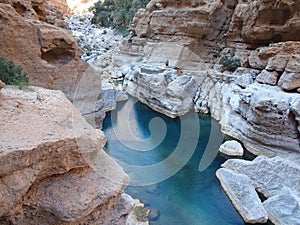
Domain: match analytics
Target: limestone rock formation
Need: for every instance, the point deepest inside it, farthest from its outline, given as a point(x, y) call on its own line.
point(232, 148)
point(268, 176)
point(166, 90)
point(284, 208)
point(276, 179)
point(243, 196)
point(53, 169)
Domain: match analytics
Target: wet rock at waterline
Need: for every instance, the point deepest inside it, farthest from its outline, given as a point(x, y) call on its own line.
point(232, 148)
point(276, 179)
point(242, 194)
point(111, 95)
point(268, 176)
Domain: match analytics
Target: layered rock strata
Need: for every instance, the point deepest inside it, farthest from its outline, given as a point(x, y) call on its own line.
point(258, 103)
point(53, 168)
point(164, 89)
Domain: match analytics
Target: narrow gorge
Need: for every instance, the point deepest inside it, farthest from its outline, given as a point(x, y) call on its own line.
point(234, 63)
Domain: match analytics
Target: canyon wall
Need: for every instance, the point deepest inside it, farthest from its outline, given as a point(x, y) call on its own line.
point(259, 102)
point(33, 36)
point(53, 168)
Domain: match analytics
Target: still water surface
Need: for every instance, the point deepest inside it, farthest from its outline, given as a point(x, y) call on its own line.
point(189, 197)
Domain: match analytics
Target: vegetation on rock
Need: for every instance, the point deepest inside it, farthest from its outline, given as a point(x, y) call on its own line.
point(11, 74)
point(230, 63)
point(117, 14)
point(141, 213)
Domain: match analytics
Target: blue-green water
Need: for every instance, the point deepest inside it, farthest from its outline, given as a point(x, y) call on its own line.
point(189, 197)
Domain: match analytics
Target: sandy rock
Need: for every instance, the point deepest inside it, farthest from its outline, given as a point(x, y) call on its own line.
point(265, 22)
point(278, 62)
point(293, 64)
point(2, 85)
point(63, 6)
point(243, 196)
point(232, 148)
point(289, 81)
point(267, 77)
point(268, 176)
point(283, 208)
point(52, 56)
point(60, 158)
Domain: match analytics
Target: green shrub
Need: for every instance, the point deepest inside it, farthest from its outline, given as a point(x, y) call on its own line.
point(116, 14)
point(230, 63)
point(11, 74)
point(141, 213)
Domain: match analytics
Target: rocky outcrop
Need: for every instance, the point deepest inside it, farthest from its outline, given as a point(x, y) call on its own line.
point(232, 148)
point(49, 54)
point(269, 176)
point(275, 178)
point(53, 168)
point(62, 5)
point(243, 196)
point(284, 208)
point(166, 90)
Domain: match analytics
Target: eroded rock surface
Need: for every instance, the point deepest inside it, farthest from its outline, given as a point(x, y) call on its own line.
point(232, 148)
point(269, 176)
point(53, 168)
point(243, 196)
point(283, 208)
point(275, 178)
point(166, 90)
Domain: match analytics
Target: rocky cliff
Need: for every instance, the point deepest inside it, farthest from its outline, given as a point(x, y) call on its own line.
point(258, 103)
point(53, 168)
point(33, 36)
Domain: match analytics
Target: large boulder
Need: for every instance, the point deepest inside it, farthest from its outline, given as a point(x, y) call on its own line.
point(268, 176)
point(232, 148)
point(239, 189)
point(165, 90)
point(284, 208)
point(53, 169)
point(276, 179)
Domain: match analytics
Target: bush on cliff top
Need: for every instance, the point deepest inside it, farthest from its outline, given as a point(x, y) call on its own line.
point(117, 14)
point(11, 74)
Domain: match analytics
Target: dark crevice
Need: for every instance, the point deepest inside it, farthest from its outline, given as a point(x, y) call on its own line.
point(20, 9)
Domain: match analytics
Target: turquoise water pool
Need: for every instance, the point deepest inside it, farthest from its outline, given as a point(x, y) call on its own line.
point(142, 141)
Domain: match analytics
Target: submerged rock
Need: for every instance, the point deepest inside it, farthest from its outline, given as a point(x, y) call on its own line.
point(232, 148)
point(239, 189)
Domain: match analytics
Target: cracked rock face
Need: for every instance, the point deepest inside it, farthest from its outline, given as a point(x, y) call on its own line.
point(275, 178)
point(53, 169)
point(166, 90)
